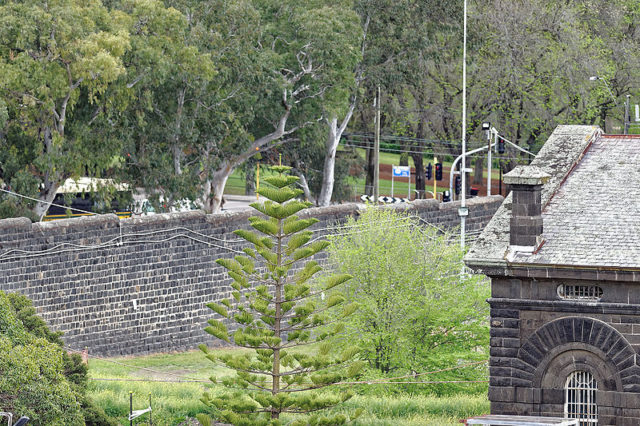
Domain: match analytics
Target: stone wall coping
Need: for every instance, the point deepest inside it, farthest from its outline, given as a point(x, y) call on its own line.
point(223, 218)
point(18, 223)
point(526, 175)
point(96, 221)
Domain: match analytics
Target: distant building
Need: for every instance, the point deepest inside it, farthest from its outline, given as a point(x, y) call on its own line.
point(563, 255)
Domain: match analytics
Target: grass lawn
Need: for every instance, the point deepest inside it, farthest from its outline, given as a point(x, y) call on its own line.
point(235, 183)
point(175, 402)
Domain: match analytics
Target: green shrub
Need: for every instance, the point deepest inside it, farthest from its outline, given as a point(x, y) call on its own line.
point(32, 382)
point(417, 311)
point(71, 368)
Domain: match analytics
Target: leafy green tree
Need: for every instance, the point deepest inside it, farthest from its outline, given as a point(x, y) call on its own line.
point(32, 379)
point(417, 312)
point(57, 60)
point(75, 371)
point(276, 309)
point(232, 79)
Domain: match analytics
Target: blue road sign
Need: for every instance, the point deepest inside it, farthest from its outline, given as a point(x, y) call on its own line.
point(401, 171)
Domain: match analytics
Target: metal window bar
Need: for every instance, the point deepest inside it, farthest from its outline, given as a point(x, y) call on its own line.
point(592, 292)
point(580, 398)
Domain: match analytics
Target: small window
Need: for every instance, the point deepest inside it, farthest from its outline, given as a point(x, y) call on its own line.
point(579, 292)
point(580, 398)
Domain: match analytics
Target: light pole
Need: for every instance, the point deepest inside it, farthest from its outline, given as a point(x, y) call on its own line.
point(486, 128)
point(463, 211)
point(606, 84)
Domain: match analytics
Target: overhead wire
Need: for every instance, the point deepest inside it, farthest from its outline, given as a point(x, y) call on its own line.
point(410, 151)
point(50, 204)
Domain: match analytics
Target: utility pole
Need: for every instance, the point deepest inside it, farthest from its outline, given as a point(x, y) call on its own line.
point(463, 211)
point(627, 115)
point(487, 128)
point(376, 150)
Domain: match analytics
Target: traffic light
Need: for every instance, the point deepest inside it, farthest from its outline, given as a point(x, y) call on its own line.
point(446, 197)
point(500, 145)
point(438, 171)
point(428, 171)
point(458, 185)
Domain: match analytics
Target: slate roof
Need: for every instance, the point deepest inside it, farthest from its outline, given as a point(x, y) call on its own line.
point(591, 206)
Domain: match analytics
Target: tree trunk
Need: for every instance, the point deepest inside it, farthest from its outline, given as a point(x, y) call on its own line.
point(333, 139)
point(217, 184)
point(50, 183)
point(175, 146)
point(478, 179)
point(47, 195)
point(304, 185)
point(250, 178)
point(328, 177)
point(419, 174)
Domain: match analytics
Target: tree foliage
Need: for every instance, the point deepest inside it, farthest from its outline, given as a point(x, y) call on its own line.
point(417, 312)
point(175, 96)
point(57, 60)
point(73, 369)
point(32, 382)
point(276, 312)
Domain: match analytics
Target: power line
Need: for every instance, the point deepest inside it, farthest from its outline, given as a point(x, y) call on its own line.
point(401, 138)
point(50, 204)
point(366, 145)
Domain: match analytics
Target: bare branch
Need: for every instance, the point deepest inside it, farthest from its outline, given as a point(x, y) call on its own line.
point(136, 80)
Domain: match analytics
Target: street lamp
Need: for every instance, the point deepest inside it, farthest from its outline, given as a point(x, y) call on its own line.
point(596, 78)
point(463, 211)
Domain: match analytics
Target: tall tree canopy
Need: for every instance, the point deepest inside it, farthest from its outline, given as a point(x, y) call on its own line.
point(57, 59)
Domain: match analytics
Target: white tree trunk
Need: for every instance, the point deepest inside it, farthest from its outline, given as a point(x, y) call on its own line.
point(333, 139)
point(328, 176)
point(305, 186)
point(47, 195)
point(216, 189)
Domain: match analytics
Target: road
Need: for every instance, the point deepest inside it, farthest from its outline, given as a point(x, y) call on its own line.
point(236, 203)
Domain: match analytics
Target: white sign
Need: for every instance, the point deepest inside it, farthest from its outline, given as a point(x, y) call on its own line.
point(401, 171)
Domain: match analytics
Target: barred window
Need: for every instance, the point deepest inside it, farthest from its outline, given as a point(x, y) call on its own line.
point(580, 398)
point(579, 292)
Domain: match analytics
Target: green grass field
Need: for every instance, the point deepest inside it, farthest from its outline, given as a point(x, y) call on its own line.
point(174, 402)
point(235, 184)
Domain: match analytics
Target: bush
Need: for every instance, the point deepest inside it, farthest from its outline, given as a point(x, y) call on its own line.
point(32, 382)
point(417, 312)
point(70, 371)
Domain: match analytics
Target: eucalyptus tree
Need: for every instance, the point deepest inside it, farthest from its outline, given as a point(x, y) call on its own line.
point(169, 72)
point(304, 57)
point(348, 30)
point(57, 59)
point(241, 77)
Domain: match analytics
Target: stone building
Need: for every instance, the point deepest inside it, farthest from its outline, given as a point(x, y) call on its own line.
point(563, 255)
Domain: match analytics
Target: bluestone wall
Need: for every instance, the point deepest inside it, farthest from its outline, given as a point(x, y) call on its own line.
point(140, 285)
